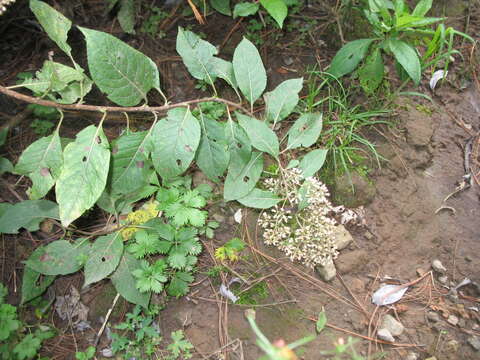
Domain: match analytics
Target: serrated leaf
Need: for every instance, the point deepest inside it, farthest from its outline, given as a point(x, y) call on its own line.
point(105, 256)
point(197, 55)
point(123, 73)
point(349, 56)
point(407, 57)
point(262, 137)
point(34, 284)
point(175, 141)
point(312, 162)
point(277, 9)
point(54, 23)
point(282, 100)
point(305, 131)
point(260, 199)
point(84, 174)
point(224, 70)
point(249, 70)
point(245, 9)
point(42, 162)
point(124, 281)
point(212, 155)
point(27, 214)
point(222, 6)
point(177, 260)
point(242, 176)
point(179, 284)
point(28, 347)
point(371, 72)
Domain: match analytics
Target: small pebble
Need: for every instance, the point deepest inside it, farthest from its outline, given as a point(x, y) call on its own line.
point(288, 60)
point(384, 334)
point(433, 316)
point(452, 346)
point(474, 341)
point(393, 326)
point(431, 358)
point(412, 356)
point(438, 266)
point(452, 320)
point(443, 279)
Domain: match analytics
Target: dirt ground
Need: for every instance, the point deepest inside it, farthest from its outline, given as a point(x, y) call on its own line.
point(410, 222)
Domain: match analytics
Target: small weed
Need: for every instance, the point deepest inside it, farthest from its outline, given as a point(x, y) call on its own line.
point(42, 127)
point(230, 251)
point(254, 295)
point(425, 109)
point(151, 25)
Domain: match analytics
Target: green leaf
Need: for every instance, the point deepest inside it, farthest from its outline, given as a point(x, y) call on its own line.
point(371, 72)
point(321, 322)
point(179, 284)
point(28, 347)
point(34, 284)
point(27, 214)
point(42, 162)
point(422, 8)
point(197, 55)
point(124, 281)
point(54, 23)
point(150, 277)
point(245, 9)
point(259, 199)
point(105, 256)
point(312, 162)
point(409, 21)
point(84, 174)
point(238, 142)
point(59, 257)
point(177, 260)
point(222, 6)
point(175, 141)
point(242, 176)
point(123, 73)
point(5, 166)
point(349, 56)
point(249, 70)
point(8, 319)
point(305, 131)
point(281, 101)
point(145, 244)
point(224, 70)
point(277, 9)
point(407, 57)
point(126, 16)
point(212, 155)
point(262, 137)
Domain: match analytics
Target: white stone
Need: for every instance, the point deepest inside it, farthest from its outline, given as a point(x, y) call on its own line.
point(342, 237)
point(392, 325)
point(328, 271)
point(452, 320)
point(412, 356)
point(384, 334)
point(438, 266)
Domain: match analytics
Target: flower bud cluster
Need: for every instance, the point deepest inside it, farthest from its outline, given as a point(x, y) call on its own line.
point(4, 4)
point(306, 235)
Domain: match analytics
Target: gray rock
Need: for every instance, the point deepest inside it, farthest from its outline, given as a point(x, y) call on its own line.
point(342, 237)
point(411, 356)
point(438, 266)
point(474, 342)
point(392, 325)
point(287, 60)
point(350, 261)
point(353, 191)
point(218, 217)
point(384, 334)
point(433, 316)
point(452, 320)
point(443, 279)
point(327, 272)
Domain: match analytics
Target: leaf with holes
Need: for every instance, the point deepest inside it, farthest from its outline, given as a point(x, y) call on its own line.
point(277, 10)
point(105, 256)
point(124, 281)
point(349, 56)
point(260, 199)
point(282, 100)
point(237, 140)
point(84, 173)
point(312, 162)
point(26, 214)
point(249, 70)
point(123, 73)
point(175, 140)
point(42, 162)
point(371, 72)
point(212, 155)
point(242, 176)
point(262, 137)
point(34, 284)
point(197, 55)
point(305, 131)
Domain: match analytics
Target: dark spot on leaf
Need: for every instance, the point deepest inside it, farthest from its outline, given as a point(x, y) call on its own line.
point(246, 178)
point(141, 149)
point(188, 148)
point(103, 259)
point(98, 140)
point(84, 159)
point(304, 127)
point(140, 164)
point(239, 145)
point(214, 140)
point(350, 56)
point(179, 162)
point(115, 150)
point(44, 171)
point(45, 257)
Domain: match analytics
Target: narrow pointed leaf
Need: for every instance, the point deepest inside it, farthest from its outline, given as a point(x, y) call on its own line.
point(277, 9)
point(41, 162)
point(123, 73)
point(407, 57)
point(242, 176)
point(26, 214)
point(84, 174)
point(262, 137)
point(312, 162)
point(105, 256)
point(249, 70)
point(34, 284)
point(260, 199)
point(305, 131)
point(281, 101)
point(175, 140)
point(422, 8)
point(349, 56)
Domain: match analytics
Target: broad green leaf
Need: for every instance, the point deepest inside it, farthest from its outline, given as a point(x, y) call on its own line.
point(422, 8)
point(59, 257)
point(34, 284)
point(312, 162)
point(407, 57)
point(262, 137)
point(371, 72)
point(277, 10)
point(249, 70)
point(222, 6)
point(54, 23)
point(259, 199)
point(409, 21)
point(105, 256)
point(84, 173)
point(281, 101)
point(305, 131)
point(42, 162)
point(242, 176)
point(399, 8)
point(245, 9)
point(175, 140)
point(349, 56)
point(124, 281)
point(27, 214)
point(123, 73)
point(212, 155)
point(238, 142)
point(117, 204)
point(197, 55)
point(224, 70)
point(126, 16)
point(5, 166)
point(321, 322)
point(179, 284)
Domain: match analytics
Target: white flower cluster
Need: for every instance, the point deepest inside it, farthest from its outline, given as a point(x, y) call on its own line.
point(4, 4)
point(305, 235)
